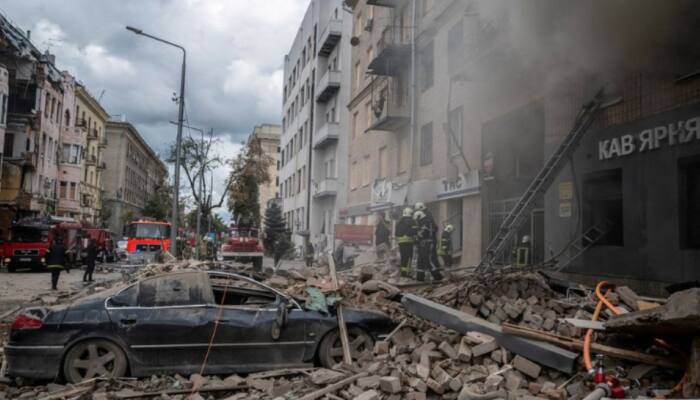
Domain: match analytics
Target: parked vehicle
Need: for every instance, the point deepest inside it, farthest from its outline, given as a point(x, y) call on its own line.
point(243, 245)
point(30, 238)
point(163, 324)
point(106, 251)
point(146, 238)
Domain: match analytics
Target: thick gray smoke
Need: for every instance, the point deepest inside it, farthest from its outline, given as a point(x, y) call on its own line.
point(552, 39)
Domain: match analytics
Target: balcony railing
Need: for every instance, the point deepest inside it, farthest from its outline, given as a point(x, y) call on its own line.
point(326, 187)
point(393, 52)
point(390, 108)
point(91, 160)
point(328, 86)
point(327, 134)
point(330, 37)
point(92, 134)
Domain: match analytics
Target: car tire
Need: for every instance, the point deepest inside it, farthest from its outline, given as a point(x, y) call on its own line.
point(257, 264)
point(330, 351)
point(94, 358)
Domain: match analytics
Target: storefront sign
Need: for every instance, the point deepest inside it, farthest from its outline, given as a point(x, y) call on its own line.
point(381, 191)
point(357, 234)
point(466, 184)
point(676, 133)
point(386, 194)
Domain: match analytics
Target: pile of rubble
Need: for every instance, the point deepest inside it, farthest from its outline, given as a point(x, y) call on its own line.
point(508, 335)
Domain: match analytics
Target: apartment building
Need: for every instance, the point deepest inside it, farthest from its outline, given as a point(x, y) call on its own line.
point(268, 136)
point(315, 92)
point(133, 172)
point(91, 120)
point(70, 158)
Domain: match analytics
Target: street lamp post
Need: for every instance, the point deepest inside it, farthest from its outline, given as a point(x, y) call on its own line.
point(180, 119)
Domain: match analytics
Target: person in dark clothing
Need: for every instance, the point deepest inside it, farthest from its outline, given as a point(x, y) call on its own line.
point(382, 236)
point(56, 261)
point(445, 250)
point(405, 232)
point(277, 251)
point(426, 245)
point(90, 257)
point(433, 250)
point(309, 254)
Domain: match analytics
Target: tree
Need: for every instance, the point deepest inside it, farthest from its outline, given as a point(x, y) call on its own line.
point(276, 232)
point(250, 169)
point(158, 205)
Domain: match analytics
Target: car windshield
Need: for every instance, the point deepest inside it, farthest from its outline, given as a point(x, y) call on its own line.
point(146, 230)
point(244, 233)
point(29, 234)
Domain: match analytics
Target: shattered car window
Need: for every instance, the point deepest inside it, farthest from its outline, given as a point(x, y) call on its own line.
point(232, 291)
point(125, 298)
point(176, 290)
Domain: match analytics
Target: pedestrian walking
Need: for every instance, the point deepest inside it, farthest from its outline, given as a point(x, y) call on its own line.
point(405, 232)
point(445, 249)
point(90, 257)
point(309, 254)
point(56, 260)
point(277, 251)
point(426, 245)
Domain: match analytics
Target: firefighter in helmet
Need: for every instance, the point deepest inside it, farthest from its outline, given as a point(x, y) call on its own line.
point(445, 249)
point(420, 206)
point(405, 231)
point(426, 244)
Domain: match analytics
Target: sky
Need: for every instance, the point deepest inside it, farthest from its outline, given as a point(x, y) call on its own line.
point(235, 54)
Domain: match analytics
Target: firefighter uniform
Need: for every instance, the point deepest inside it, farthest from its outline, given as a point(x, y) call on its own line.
point(445, 249)
point(405, 231)
point(426, 246)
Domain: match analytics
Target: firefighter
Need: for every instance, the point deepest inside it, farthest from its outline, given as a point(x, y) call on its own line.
point(434, 260)
point(405, 231)
point(382, 236)
point(445, 249)
point(56, 260)
point(425, 236)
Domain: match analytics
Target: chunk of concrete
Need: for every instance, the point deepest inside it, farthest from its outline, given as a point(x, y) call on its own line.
point(389, 384)
point(368, 395)
point(526, 366)
point(547, 354)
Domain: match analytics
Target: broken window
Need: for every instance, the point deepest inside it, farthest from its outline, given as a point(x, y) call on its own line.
point(233, 291)
point(426, 144)
point(602, 206)
point(125, 298)
point(689, 196)
point(172, 290)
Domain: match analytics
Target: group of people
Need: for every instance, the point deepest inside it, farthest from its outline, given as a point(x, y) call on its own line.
point(57, 260)
point(417, 229)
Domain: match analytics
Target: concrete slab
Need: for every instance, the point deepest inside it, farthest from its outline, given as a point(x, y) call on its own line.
point(544, 353)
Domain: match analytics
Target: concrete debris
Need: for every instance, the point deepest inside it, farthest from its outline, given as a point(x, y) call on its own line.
point(454, 342)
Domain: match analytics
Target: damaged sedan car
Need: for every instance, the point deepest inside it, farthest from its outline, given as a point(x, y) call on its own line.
point(172, 323)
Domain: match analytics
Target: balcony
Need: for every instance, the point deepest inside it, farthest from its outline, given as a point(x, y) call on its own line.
point(393, 52)
point(80, 123)
point(385, 3)
point(390, 109)
point(91, 160)
point(326, 135)
point(325, 188)
point(328, 86)
point(330, 37)
point(102, 165)
point(92, 134)
point(29, 159)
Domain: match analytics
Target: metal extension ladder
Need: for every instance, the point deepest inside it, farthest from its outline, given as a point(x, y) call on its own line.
point(578, 246)
point(543, 180)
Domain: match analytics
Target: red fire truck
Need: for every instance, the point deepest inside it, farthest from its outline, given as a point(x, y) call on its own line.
point(146, 238)
point(243, 245)
point(30, 238)
point(106, 251)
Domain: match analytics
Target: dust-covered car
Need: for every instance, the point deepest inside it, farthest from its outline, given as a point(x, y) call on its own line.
point(167, 324)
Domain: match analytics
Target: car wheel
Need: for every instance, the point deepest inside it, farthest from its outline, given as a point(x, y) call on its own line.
point(94, 358)
point(330, 352)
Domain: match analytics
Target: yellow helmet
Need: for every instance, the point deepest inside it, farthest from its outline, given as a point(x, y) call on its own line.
point(420, 206)
point(407, 212)
point(449, 228)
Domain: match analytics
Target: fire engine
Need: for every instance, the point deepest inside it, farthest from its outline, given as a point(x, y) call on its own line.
point(30, 238)
point(106, 251)
point(146, 238)
point(243, 245)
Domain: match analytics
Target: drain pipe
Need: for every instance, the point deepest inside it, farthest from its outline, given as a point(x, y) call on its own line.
point(413, 89)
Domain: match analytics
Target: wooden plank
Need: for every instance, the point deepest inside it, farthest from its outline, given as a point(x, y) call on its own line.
point(628, 296)
point(332, 388)
point(576, 344)
point(342, 328)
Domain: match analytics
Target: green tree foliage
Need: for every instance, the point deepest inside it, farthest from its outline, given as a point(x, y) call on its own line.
point(250, 169)
point(158, 206)
point(276, 233)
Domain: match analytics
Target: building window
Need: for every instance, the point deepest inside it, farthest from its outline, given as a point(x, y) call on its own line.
point(366, 171)
point(358, 24)
point(9, 144)
point(357, 75)
point(3, 110)
point(355, 122)
point(62, 190)
point(383, 163)
point(427, 63)
point(456, 133)
point(455, 47)
point(426, 144)
point(689, 185)
point(404, 149)
point(353, 176)
point(71, 194)
point(602, 205)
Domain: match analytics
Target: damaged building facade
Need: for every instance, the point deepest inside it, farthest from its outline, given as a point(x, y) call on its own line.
point(472, 126)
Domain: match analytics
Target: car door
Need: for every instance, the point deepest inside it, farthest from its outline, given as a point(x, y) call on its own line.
point(249, 336)
point(165, 321)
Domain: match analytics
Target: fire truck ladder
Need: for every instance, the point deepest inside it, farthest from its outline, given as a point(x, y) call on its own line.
point(518, 215)
point(578, 246)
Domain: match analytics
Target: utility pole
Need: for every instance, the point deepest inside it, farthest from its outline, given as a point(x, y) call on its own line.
point(178, 141)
